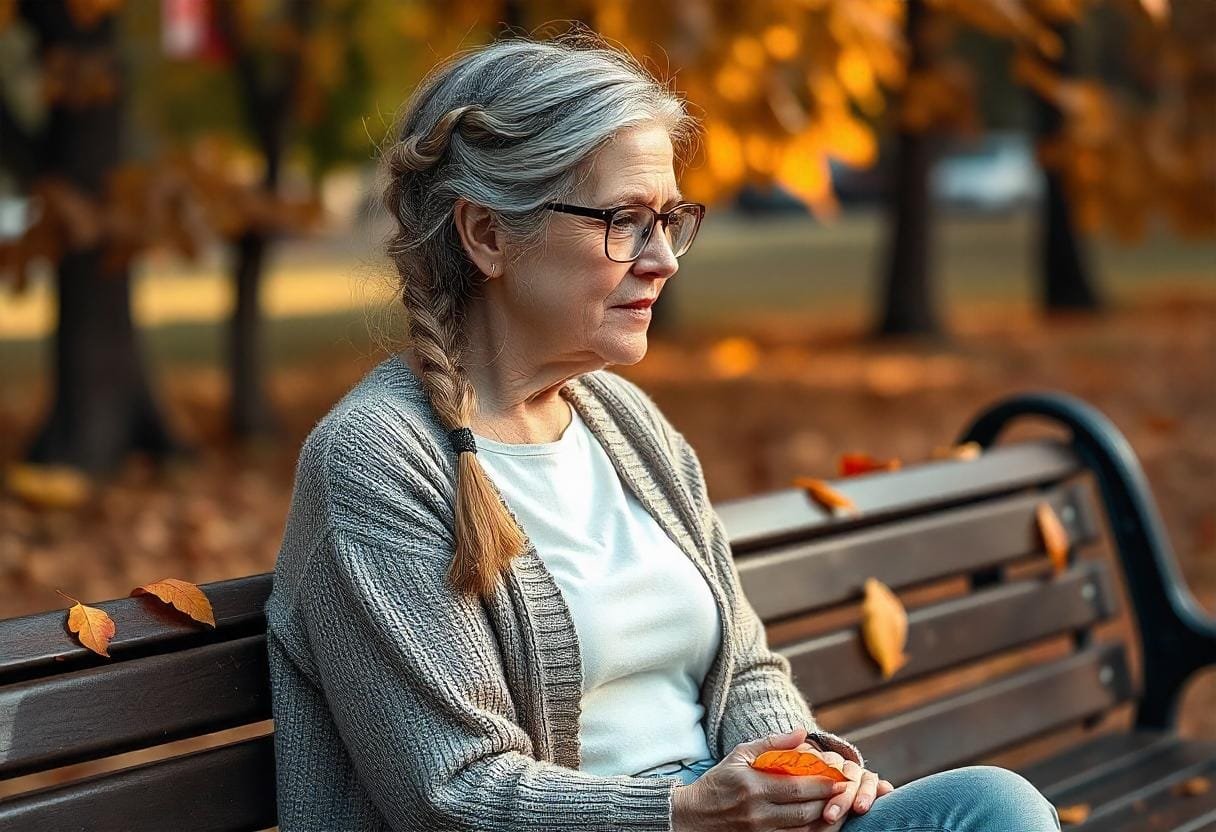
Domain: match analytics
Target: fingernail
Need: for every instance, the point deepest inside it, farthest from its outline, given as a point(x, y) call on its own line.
point(833, 813)
point(863, 805)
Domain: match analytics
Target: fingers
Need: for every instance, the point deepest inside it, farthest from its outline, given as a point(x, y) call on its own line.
point(788, 789)
point(839, 805)
point(885, 787)
point(867, 791)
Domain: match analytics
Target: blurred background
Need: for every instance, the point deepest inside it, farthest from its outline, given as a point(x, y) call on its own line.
point(915, 208)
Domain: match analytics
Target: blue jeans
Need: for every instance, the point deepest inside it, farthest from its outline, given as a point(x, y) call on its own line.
point(967, 799)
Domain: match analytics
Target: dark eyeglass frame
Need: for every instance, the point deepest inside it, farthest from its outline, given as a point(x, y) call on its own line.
point(607, 215)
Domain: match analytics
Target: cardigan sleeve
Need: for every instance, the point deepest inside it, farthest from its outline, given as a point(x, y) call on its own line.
point(414, 681)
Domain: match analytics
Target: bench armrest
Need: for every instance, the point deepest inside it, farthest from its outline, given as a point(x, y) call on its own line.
point(1178, 636)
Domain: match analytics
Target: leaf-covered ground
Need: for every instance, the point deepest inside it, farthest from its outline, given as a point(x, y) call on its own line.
point(775, 400)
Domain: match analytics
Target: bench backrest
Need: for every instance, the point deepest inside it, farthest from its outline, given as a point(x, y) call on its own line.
point(803, 570)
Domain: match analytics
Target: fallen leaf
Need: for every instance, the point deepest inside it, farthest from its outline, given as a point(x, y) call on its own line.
point(851, 465)
point(967, 450)
point(1193, 787)
point(48, 486)
point(825, 495)
point(802, 763)
point(884, 627)
point(1073, 814)
point(93, 627)
point(1055, 537)
point(183, 595)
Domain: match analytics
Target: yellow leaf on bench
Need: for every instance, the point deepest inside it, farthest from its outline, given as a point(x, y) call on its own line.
point(884, 627)
point(825, 495)
point(183, 595)
point(92, 626)
point(1073, 814)
point(967, 450)
point(1055, 536)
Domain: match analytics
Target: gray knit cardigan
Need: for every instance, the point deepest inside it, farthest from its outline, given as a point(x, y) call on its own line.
point(401, 705)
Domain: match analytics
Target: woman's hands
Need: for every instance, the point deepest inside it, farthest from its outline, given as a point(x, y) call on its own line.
point(734, 797)
point(863, 788)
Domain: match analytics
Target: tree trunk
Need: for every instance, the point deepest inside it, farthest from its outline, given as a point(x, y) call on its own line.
point(907, 303)
point(250, 413)
point(103, 406)
point(1064, 279)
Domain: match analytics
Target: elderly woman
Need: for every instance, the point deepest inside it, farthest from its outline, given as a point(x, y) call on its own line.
point(503, 600)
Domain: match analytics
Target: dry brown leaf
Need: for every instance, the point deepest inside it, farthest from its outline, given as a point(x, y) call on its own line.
point(1055, 537)
point(1193, 787)
point(93, 627)
point(884, 627)
point(48, 486)
point(851, 465)
point(182, 595)
point(967, 450)
point(826, 496)
point(1073, 814)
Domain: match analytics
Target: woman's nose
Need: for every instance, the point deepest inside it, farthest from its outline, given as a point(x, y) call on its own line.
point(656, 259)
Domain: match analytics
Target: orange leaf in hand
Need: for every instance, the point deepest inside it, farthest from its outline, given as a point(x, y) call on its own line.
point(825, 495)
point(92, 626)
point(1055, 536)
point(802, 763)
point(183, 595)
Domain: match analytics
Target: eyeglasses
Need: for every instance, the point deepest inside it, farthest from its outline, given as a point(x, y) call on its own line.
point(627, 228)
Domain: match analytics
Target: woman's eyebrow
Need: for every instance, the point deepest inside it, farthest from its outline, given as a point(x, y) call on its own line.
point(637, 197)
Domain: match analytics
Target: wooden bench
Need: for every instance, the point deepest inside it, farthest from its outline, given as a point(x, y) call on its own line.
point(1004, 657)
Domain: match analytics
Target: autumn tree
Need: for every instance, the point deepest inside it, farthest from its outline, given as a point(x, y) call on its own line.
point(67, 156)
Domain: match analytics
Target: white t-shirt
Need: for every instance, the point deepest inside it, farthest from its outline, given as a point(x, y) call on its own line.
point(647, 624)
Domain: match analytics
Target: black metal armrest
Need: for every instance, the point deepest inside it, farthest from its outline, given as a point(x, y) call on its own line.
point(1177, 635)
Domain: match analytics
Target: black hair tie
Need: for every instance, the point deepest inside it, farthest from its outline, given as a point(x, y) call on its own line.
point(462, 440)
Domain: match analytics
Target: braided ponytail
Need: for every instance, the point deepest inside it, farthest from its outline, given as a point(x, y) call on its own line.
point(509, 127)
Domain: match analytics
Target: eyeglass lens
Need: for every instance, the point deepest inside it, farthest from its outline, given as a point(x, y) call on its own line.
point(630, 230)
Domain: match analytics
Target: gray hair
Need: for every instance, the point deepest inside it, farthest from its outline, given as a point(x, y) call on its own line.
point(509, 126)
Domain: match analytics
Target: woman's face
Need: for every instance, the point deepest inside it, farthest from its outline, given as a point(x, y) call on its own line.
point(565, 295)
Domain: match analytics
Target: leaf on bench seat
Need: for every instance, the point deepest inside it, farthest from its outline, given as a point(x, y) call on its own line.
point(1073, 814)
point(826, 496)
point(852, 465)
point(92, 626)
point(182, 595)
point(803, 763)
point(1193, 787)
point(1055, 537)
point(967, 450)
point(884, 627)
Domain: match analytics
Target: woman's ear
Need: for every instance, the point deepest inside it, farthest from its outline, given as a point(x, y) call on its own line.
point(480, 236)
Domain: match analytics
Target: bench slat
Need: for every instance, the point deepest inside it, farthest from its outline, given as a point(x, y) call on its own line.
point(836, 665)
point(755, 522)
point(39, 645)
point(985, 720)
point(230, 787)
point(102, 711)
point(1095, 759)
point(1149, 777)
point(1167, 812)
point(796, 578)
